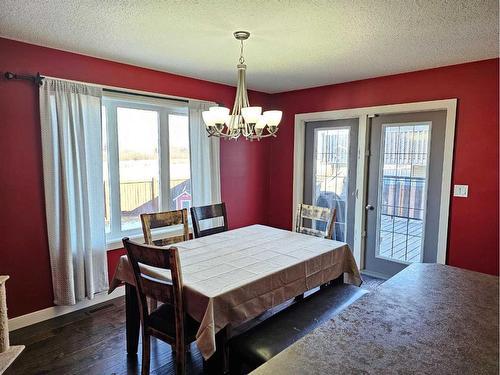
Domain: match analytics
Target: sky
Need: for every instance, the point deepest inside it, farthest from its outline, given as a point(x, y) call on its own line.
point(138, 130)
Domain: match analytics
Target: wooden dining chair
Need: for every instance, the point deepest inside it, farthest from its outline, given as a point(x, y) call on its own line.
point(315, 213)
point(168, 322)
point(163, 220)
point(208, 212)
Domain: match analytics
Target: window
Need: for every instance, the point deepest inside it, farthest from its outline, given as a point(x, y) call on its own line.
point(146, 160)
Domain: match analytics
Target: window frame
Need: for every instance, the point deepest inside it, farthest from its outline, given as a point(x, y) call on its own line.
point(164, 108)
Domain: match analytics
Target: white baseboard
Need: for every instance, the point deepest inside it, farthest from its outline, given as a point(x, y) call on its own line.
point(55, 311)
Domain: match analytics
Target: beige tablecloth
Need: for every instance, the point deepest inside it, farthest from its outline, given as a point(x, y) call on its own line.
point(234, 276)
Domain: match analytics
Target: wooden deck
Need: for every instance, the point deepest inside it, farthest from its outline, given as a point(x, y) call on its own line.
point(401, 238)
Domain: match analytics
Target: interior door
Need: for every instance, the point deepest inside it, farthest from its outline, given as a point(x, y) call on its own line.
point(330, 172)
point(404, 190)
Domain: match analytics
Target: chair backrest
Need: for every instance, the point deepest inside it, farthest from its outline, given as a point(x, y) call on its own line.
point(162, 220)
point(208, 212)
point(315, 213)
point(147, 286)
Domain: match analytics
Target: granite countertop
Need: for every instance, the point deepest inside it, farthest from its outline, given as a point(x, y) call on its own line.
point(428, 319)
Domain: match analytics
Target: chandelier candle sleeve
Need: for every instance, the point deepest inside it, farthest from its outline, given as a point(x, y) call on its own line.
point(244, 120)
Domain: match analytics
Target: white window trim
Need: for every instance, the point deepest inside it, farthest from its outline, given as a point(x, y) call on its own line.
point(165, 108)
point(116, 243)
point(363, 114)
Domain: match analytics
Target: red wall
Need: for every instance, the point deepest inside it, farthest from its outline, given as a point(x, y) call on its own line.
point(23, 240)
point(474, 226)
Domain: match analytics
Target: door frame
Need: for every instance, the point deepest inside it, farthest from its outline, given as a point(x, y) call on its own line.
point(363, 115)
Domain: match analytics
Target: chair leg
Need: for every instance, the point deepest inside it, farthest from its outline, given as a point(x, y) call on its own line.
point(146, 353)
point(180, 359)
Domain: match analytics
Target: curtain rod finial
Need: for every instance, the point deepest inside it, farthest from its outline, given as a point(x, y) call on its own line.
point(9, 75)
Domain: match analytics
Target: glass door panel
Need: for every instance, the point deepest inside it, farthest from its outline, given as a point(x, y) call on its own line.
point(402, 192)
point(331, 165)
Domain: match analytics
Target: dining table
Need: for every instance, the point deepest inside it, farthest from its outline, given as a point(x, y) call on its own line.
point(234, 276)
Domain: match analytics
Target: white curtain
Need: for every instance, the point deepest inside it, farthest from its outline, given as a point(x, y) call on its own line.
point(70, 115)
point(205, 157)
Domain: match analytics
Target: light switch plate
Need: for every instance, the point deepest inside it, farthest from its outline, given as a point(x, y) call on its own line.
point(461, 191)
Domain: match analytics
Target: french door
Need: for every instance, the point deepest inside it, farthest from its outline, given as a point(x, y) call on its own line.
point(330, 172)
point(404, 190)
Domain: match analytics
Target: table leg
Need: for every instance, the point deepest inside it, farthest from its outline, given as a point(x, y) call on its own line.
point(218, 362)
point(133, 322)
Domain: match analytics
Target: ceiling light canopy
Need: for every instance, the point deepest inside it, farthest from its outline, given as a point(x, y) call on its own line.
point(244, 120)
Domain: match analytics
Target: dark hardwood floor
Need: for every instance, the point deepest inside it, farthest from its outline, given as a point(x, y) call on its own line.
point(92, 341)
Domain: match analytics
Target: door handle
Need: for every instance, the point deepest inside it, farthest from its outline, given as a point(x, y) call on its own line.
point(369, 207)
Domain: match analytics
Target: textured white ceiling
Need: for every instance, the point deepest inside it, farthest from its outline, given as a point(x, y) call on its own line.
point(294, 44)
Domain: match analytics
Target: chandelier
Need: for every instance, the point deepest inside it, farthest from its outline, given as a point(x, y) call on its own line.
point(244, 120)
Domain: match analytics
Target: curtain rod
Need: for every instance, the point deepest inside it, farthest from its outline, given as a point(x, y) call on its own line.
point(38, 80)
point(144, 95)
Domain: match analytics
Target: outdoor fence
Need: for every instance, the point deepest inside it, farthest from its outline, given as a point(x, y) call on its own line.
point(134, 194)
